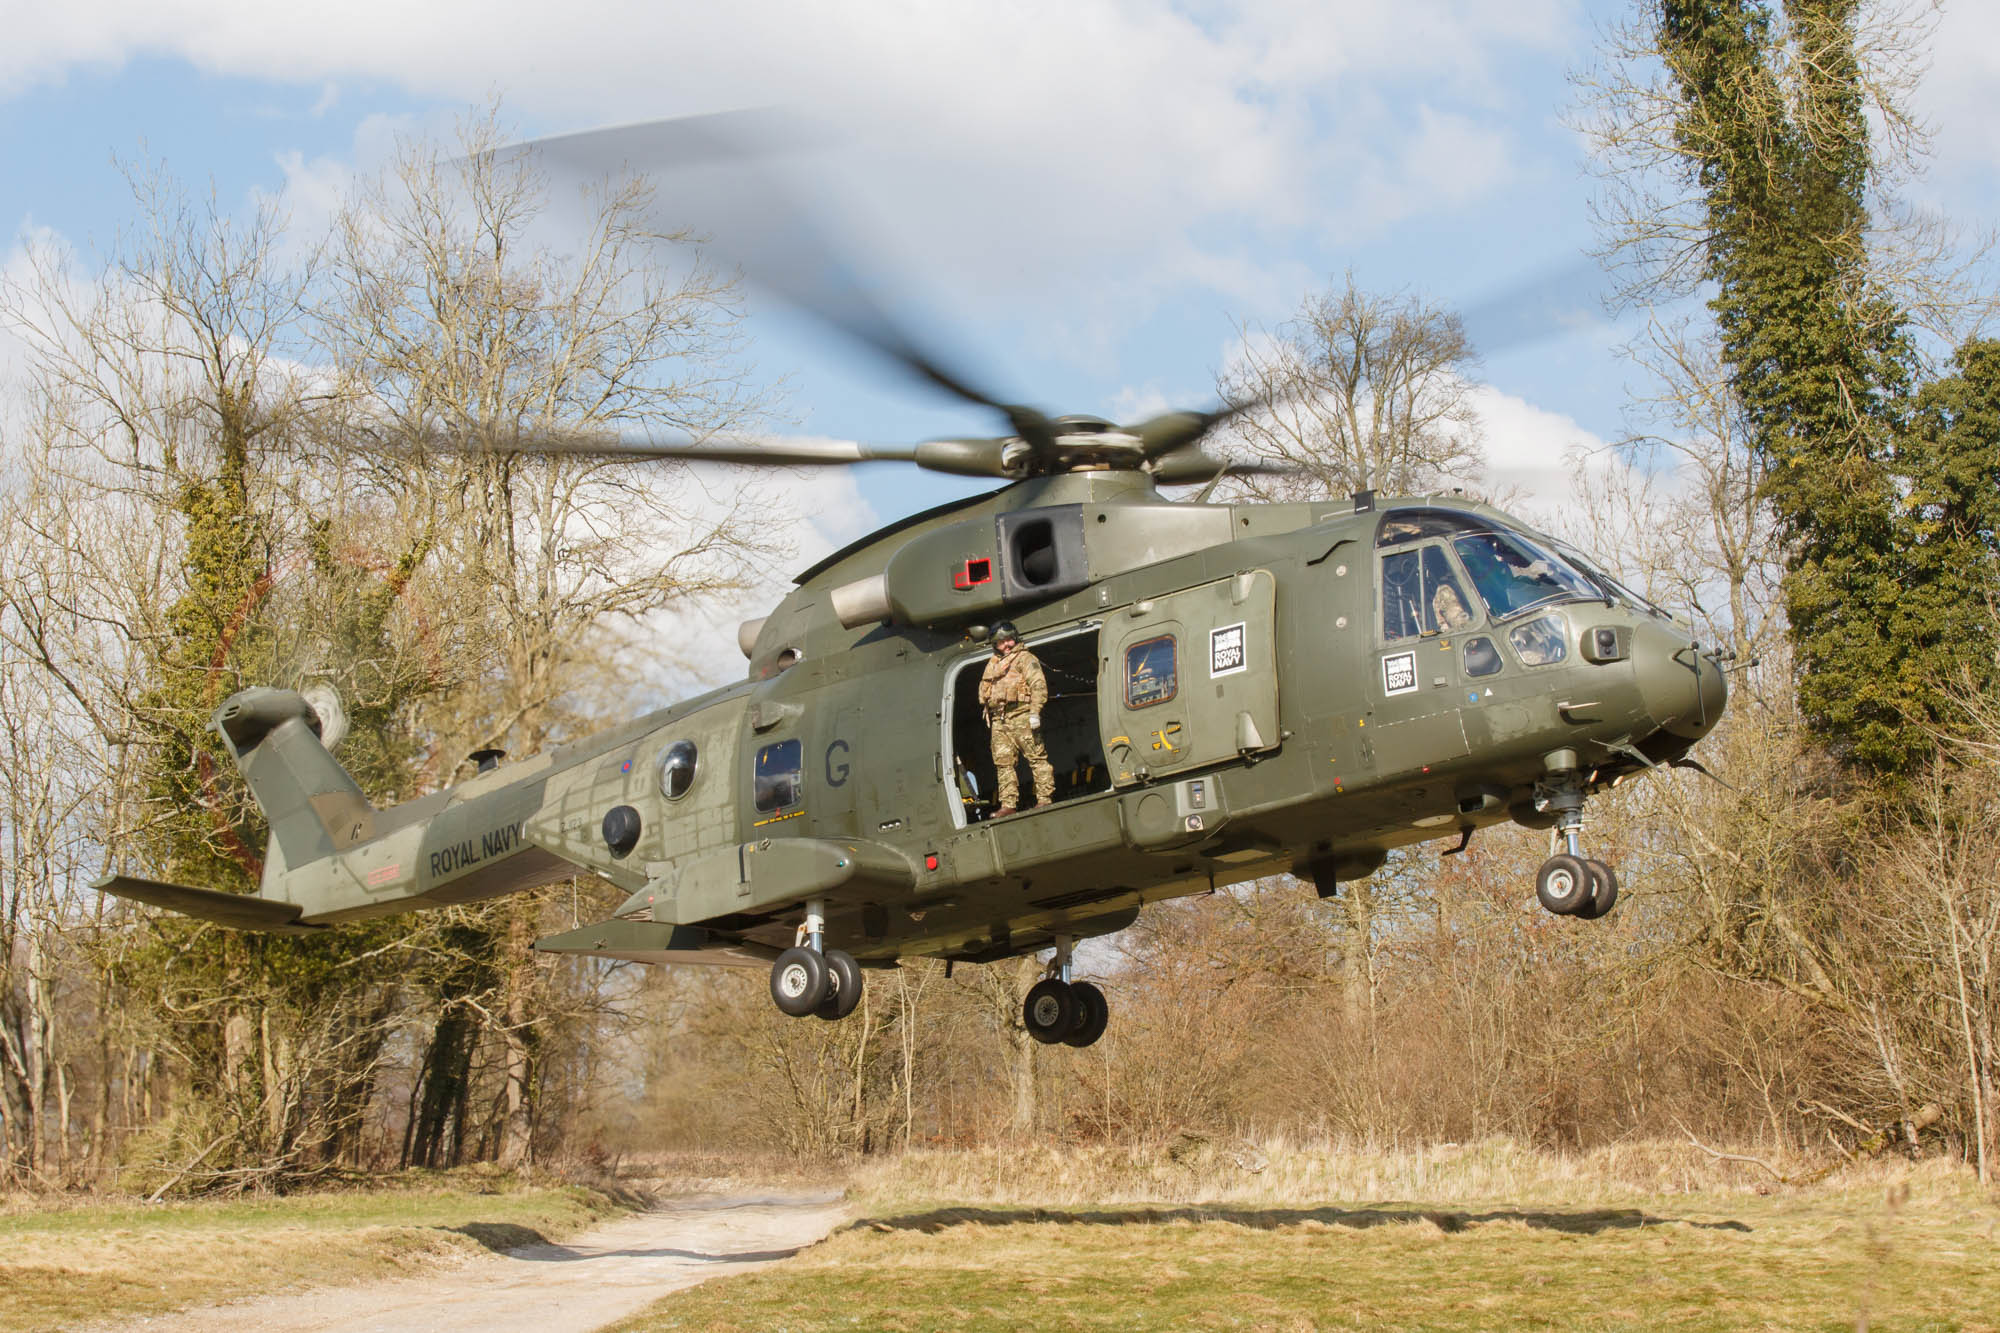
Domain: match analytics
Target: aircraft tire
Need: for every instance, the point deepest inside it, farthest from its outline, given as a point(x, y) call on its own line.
point(1049, 1012)
point(1092, 1015)
point(799, 981)
point(843, 990)
point(1563, 884)
point(1603, 891)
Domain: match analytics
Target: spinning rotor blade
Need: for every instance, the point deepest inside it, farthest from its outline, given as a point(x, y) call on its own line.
point(960, 457)
point(768, 234)
point(791, 453)
point(1188, 466)
point(1170, 431)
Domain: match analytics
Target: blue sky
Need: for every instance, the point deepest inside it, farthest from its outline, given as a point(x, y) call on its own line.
point(1083, 197)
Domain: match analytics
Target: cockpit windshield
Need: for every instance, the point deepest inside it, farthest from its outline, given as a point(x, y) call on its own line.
point(1513, 572)
point(1615, 586)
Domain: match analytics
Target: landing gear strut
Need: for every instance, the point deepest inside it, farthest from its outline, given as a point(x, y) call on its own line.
point(810, 978)
point(1061, 1010)
point(1570, 883)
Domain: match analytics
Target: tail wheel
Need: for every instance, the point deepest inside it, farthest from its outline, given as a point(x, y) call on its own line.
point(799, 981)
point(1603, 891)
point(1092, 1014)
point(1049, 1012)
point(1563, 884)
point(843, 985)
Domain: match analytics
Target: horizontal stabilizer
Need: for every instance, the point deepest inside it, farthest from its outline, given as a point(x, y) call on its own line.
point(655, 942)
point(239, 910)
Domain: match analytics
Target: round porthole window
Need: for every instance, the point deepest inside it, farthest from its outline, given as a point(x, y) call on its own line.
point(677, 770)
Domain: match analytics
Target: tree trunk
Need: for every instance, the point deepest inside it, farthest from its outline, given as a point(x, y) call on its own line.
point(1022, 1047)
point(1357, 981)
point(516, 1110)
point(439, 1119)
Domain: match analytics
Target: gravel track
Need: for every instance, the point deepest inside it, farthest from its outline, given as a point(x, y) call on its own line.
point(596, 1277)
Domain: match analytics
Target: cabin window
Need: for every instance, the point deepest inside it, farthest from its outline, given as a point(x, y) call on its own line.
point(1540, 642)
point(1481, 657)
point(1421, 595)
point(677, 769)
point(777, 778)
point(1150, 674)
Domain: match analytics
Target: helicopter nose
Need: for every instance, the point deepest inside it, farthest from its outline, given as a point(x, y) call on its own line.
point(1683, 691)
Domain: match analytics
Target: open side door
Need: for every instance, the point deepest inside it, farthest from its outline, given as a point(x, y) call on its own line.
point(1190, 678)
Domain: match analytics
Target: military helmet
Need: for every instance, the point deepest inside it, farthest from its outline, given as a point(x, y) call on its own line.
point(1005, 630)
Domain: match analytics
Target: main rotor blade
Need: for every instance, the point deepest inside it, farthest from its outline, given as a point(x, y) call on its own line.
point(754, 218)
point(1163, 434)
point(970, 457)
point(1188, 466)
point(1562, 297)
point(768, 453)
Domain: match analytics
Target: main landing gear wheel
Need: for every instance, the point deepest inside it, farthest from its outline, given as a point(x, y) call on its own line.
point(1603, 891)
point(1049, 1012)
point(1092, 1014)
point(1060, 1010)
point(1563, 884)
point(799, 981)
point(843, 976)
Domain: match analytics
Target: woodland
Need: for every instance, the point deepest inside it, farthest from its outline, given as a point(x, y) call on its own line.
point(222, 467)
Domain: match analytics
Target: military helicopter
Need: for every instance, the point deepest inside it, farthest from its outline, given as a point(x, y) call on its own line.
point(1237, 690)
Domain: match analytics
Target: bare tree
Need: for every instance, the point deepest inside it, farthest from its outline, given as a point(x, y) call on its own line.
point(1358, 391)
point(1718, 540)
point(456, 320)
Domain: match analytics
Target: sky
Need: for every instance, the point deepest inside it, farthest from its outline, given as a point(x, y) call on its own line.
point(1084, 201)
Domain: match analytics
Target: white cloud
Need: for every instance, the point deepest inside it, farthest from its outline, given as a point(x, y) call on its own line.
point(1025, 144)
point(1956, 97)
point(1534, 454)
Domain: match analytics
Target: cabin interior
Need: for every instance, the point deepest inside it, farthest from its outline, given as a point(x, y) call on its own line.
point(1069, 727)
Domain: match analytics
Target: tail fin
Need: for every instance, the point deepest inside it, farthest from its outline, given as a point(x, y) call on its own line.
point(314, 807)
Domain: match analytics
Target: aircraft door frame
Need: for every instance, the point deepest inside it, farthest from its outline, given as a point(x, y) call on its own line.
point(960, 689)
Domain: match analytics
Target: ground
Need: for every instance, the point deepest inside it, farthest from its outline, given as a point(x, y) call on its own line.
point(1206, 1235)
point(1836, 1260)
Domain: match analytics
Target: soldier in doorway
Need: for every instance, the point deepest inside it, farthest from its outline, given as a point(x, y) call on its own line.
point(1013, 692)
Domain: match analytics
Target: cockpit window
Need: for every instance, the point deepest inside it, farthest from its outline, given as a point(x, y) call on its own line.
point(1617, 586)
point(1408, 525)
point(1514, 573)
point(1421, 595)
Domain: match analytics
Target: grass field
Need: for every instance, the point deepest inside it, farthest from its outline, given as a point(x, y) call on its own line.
point(1201, 1236)
point(68, 1265)
point(1565, 1244)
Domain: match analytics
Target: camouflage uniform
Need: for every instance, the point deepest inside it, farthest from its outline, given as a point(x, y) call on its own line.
point(1012, 689)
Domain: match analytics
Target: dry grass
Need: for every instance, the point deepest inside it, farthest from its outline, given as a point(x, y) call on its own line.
point(1473, 1238)
point(68, 1264)
point(678, 1174)
point(1202, 1170)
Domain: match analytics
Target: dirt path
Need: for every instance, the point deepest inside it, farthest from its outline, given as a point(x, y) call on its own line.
point(598, 1276)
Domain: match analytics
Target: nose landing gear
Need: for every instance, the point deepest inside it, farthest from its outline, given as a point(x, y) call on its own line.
point(1057, 1009)
point(809, 978)
point(1570, 883)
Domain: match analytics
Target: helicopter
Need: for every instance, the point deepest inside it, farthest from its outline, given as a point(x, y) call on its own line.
point(1236, 690)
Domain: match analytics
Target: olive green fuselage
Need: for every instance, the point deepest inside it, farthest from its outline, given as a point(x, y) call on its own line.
point(1232, 696)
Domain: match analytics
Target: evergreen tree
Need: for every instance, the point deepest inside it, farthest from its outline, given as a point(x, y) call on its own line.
point(1773, 125)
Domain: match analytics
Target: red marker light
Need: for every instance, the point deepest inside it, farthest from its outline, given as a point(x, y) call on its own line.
point(930, 861)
